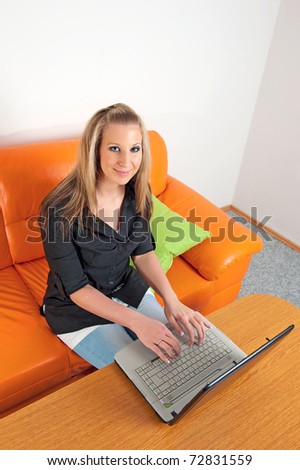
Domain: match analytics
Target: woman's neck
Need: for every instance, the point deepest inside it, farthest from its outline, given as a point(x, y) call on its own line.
point(104, 189)
point(109, 204)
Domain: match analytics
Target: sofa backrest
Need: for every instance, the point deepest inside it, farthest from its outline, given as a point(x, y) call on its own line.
point(28, 173)
point(5, 256)
point(159, 163)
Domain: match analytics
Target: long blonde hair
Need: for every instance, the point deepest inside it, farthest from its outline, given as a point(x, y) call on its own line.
point(78, 189)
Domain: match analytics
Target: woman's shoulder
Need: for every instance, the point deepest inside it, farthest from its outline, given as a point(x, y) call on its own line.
point(57, 206)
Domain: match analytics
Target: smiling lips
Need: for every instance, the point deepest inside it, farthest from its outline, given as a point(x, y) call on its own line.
point(122, 173)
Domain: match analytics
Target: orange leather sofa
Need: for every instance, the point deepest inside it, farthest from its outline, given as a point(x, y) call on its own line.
point(33, 360)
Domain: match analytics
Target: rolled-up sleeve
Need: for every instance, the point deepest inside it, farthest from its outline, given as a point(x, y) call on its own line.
point(62, 257)
point(143, 237)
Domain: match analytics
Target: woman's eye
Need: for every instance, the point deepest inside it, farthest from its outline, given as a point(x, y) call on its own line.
point(114, 148)
point(135, 149)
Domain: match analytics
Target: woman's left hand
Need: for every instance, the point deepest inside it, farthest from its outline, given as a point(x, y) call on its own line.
point(182, 317)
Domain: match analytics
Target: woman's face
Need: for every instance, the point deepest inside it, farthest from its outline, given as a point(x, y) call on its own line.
point(120, 153)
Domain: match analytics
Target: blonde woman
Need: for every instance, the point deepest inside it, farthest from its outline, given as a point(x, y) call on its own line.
point(94, 221)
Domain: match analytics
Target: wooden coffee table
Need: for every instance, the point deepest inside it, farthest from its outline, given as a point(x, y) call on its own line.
point(105, 411)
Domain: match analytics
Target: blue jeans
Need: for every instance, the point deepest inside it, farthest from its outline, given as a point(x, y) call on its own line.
point(99, 347)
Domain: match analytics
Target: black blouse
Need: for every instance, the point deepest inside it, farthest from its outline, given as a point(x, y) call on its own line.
point(99, 257)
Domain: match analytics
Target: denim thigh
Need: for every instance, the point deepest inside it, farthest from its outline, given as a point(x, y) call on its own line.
point(100, 346)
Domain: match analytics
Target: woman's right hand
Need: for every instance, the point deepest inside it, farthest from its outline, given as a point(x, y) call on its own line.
point(157, 337)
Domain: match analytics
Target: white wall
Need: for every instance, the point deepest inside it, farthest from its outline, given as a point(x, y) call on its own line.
point(191, 68)
point(270, 170)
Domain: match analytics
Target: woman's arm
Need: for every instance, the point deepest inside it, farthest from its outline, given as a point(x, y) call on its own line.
point(178, 314)
point(150, 332)
point(97, 303)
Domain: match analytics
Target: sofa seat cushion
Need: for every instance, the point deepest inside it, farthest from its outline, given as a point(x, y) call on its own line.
point(32, 358)
point(34, 275)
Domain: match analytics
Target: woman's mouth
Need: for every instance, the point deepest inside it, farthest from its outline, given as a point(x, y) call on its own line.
point(123, 173)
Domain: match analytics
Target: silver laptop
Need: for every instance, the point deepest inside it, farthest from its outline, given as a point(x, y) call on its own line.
point(171, 389)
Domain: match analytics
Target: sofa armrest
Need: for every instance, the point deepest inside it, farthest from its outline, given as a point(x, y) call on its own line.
point(230, 242)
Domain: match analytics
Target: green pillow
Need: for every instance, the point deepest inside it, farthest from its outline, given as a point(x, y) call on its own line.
point(173, 234)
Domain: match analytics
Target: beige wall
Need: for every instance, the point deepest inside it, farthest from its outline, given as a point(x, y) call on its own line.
point(270, 171)
point(192, 68)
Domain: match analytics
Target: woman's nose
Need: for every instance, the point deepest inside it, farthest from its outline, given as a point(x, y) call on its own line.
point(124, 158)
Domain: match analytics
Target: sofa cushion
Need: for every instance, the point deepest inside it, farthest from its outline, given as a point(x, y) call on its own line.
point(28, 173)
point(173, 234)
point(34, 275)
point(231, 241)
point(32, 358)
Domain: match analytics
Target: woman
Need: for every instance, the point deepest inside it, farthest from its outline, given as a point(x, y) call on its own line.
point(96, 218)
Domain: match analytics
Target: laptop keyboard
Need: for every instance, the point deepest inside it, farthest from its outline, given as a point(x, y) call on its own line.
point(164, 379)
